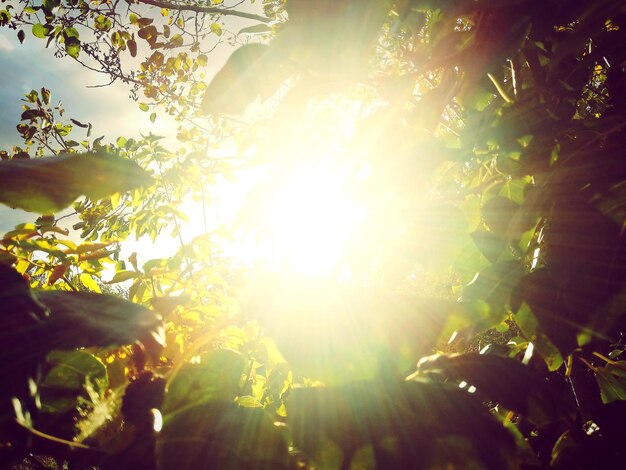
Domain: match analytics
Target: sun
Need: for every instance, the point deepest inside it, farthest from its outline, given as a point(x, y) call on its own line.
point(300, 206)
point(310, 218)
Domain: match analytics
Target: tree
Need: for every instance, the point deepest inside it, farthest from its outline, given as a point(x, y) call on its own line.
point(483, 142)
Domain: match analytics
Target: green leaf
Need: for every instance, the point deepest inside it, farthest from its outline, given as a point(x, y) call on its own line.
point(498, 212)
point(47, 185)
point(39, 30)
point(70, 374)
point(222, 435)
point(489, 244)
point(361, 414)
point(72, 47)
point(71, 369)
point(216, 28)
point(216, 377)
point(494, 285)
point(477, 99)
point(527, 322)
point(70, 32)
point(144, 107)
point(612, 382)
point(122, 276)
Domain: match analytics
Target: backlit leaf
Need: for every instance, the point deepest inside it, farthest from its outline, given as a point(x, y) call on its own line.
point(47, 185)
point(39, 30)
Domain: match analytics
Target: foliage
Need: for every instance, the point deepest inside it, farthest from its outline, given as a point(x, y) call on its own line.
point(492, 236)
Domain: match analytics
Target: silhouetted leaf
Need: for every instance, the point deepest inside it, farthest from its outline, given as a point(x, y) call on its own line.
point(500, 379)
point(216, 377)
point(494, 284)
point(221, 435)
point(132, 47)
point(84, 319)
point(498, 212)
point(489, 244)
point(412, 416)
point(47, 185)
point(249, 71)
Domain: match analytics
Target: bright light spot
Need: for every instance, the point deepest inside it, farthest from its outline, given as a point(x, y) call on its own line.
point(157, 423)
point(310, 219)
point(535, 260)
point(463, 384)
point(592, 429)
point(528, 354)
point(453, 337)
point(471, 389)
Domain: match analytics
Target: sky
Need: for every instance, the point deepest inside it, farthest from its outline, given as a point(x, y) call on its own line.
point(30, 66)
point(111, 111)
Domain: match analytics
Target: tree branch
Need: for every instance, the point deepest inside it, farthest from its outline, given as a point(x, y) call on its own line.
point(204, 9)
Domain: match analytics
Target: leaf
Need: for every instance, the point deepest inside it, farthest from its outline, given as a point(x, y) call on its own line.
point(71, 369)
point(21, 36)
point(86, 319)
point(144, 21)
point(79, 124)
point(39, 30)
point(57, 273)
point(47, 185)
point(89, 282)
point(490, 245)
point(366, 413)
point(539, 290)
point(494, 285)
point(248, 71)
point(70, 373)
point(221, 434)
point(612, 382)
point(498, 212)
point(122, 276)
point(144, 107)
point(256, 29)
point(216, 377)
point(527, 322)
point(500, 379)
point(132, 47)
point(216, 28)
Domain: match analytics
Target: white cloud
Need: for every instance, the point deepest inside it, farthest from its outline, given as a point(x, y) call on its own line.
point(5, 43)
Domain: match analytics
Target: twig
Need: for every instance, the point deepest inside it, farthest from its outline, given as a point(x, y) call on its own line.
point(205, 9)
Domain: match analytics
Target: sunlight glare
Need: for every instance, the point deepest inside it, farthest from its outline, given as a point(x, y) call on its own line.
point(312, 217)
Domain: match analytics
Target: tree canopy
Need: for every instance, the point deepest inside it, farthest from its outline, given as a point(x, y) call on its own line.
point(436, 194)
